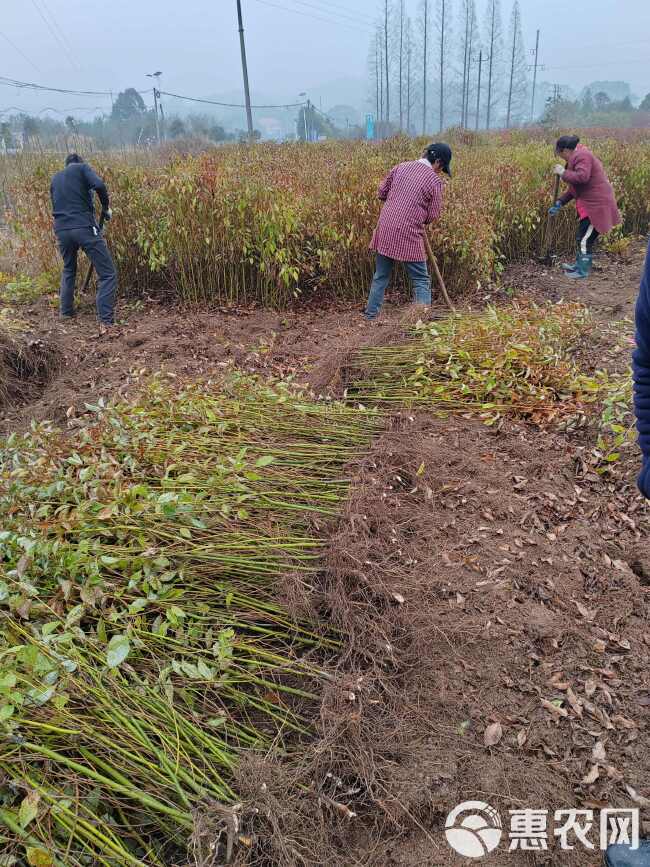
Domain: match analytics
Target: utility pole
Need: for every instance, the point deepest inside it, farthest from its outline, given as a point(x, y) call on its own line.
point(155, 102)
point(536, 66)
point(244, 67)
point(156, 97)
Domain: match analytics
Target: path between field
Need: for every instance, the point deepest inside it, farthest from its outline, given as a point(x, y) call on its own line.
point(501, 592)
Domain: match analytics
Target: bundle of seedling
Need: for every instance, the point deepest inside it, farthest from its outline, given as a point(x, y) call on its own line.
point(142, 646)
point(512, 360)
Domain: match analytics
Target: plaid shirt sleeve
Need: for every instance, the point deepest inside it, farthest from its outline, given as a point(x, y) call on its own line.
point(385, 185)
point(435, 204)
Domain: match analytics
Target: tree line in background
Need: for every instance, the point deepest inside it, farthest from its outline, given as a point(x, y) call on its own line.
point(446, 66)
point(130, 122)
point(606, 106)
point(434, 64)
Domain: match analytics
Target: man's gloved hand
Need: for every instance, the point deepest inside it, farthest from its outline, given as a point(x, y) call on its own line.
point(108, 215)
point(643, 481)
point(555, 210)
point(559, 170)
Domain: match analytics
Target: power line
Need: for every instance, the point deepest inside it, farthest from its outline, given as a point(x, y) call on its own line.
point(228, 104)
point(59, 30)
point(55, 110)
point(602, 63)
point(19, 51)
point(55, 35)
point(310, 15)
point(345, 8)
point(354, 18)
point(26, 85)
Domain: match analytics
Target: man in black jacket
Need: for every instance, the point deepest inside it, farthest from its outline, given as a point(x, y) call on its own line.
point(75, 226)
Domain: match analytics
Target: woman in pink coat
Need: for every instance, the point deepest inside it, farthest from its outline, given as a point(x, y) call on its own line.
point(412, 196)
point(595, 201)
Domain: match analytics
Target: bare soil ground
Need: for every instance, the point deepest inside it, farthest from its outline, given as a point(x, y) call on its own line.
point(185, 343)
point(494, 589)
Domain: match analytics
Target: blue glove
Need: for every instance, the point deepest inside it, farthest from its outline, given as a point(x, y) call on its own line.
point(555, 210)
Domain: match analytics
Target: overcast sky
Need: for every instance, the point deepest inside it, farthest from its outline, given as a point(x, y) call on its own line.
point(293, 45)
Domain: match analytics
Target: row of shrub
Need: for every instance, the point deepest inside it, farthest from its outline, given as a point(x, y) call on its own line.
point(271, 223)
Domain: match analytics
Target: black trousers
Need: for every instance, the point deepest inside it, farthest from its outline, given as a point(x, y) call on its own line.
point(94, 246)
point(586, 237)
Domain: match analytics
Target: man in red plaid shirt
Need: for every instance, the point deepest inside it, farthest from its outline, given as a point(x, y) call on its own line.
point(412, 193)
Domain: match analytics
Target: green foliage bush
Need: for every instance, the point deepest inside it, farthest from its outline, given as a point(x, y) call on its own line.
point(265, 225)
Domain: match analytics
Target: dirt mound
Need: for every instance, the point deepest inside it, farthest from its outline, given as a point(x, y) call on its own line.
point(486, 587)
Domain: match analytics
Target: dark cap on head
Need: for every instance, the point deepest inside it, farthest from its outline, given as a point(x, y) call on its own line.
point(442, 152)
point(567, 142)
point(73, 158)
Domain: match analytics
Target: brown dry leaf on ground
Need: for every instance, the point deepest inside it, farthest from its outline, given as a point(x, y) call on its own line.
point(492, 734)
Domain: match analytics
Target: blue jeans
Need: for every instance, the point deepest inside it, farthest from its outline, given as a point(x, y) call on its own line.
point(94, 246)
point(418, 273)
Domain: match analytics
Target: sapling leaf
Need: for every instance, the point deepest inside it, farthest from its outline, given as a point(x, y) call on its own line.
point(117, 651)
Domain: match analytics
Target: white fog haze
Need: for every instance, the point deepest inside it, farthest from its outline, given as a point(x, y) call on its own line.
point(315, 47)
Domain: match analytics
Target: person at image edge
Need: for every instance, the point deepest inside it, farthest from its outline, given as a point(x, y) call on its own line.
point(641, 371)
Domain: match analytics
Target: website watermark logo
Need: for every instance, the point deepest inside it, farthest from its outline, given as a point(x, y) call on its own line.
point(474, 829)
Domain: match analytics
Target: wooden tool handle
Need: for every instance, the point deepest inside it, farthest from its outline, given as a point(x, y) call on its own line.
point(434, 263)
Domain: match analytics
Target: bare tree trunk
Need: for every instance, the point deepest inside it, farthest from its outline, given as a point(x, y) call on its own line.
point(465, 64)
point(469, 63)
point(424, 67)
point(512, 64)
point(381, 77)
point(443, 25)
point(409, 51)
point(478, 94)
point(492, 47)
point(377, 76)
point(401, 64)
point(386, 61)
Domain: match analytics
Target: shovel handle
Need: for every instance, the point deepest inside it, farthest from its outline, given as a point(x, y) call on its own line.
point(556, 191)
point(436, 269)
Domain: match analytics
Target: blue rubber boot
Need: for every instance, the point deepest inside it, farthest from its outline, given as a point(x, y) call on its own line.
point(583, 268)
point(572, 266)
point(620, 855)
